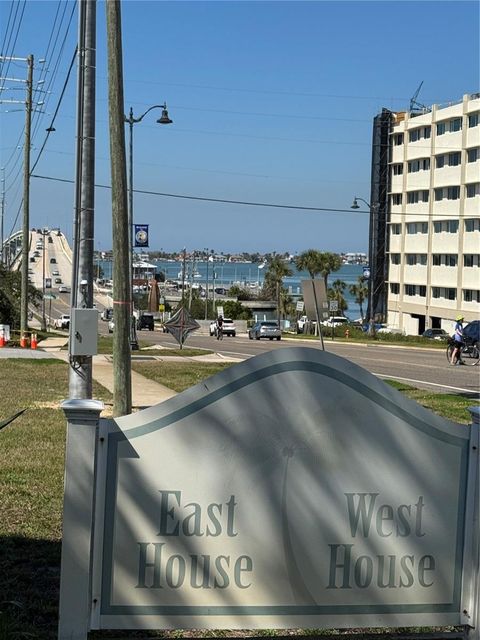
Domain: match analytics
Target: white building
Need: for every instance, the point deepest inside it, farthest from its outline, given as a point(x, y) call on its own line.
point(433, 236)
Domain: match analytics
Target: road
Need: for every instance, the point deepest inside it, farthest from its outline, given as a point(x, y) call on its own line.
point(422, 368)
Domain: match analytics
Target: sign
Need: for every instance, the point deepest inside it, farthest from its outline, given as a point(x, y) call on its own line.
point(180, 325)
point(292, 490)
point(49, 296)
point(366, 272)
point(141, 235)
point(219, 311)
point(333, 305)
point(300, 305)
point(314, 294)
point(48, 283)
point(161, 307)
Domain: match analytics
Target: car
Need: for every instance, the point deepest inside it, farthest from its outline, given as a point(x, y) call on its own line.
point(471, 332)
point(32, 259)
point(36, 254)
point(111, 326)
point(228, 328)
point(146, 321)
point(265, 329)
point(55, 272)
point(53, 261)
point(335, 321)
point(107, 314)
point(388, 329)
point(63, 322)
point(63, 289)
point(435, 334)
point(58, 281)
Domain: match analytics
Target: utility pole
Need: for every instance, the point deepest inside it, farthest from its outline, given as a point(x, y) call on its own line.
point(122, 300)
point(80, 378)
point(2, 260)
point(26, 202)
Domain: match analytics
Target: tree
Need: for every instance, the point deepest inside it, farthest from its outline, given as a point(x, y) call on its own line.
point(335, 292)
point(236, 311)
point(273, 283)
point(360, 292)
point(10, 289)
point(318, 262)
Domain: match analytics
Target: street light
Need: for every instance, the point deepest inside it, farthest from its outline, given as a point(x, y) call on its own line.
point(131, 120)
point(373, 210)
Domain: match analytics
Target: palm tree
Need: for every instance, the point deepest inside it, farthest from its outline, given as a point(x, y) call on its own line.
point(360, 292)
point(336, 292)
point(276, 271)
point(330, 262)
point(311, 261)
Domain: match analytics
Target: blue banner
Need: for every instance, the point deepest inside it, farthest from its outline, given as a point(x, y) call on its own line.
point(141, 235)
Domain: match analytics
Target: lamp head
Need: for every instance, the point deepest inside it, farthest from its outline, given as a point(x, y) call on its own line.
point(83, 284)
point(164, 119)
point(354, 204)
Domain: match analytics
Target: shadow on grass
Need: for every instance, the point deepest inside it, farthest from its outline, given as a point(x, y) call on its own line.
point(29, 588)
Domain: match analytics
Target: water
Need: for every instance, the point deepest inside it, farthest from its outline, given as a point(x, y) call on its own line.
point(248, 275)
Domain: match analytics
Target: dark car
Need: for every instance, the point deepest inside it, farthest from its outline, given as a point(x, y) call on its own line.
point(435, 334)
point(471, 332)
point(265, 329)
point(146, 321)
point(53, 261)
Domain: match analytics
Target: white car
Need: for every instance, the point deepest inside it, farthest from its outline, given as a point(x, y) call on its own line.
point(335, 321)
point(63, 322)
point(229, 328)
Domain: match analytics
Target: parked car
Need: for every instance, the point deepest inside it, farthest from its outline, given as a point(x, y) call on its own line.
point(32, 259)
point(387, 329)
point(265, 329)
point(53, 261)
point(228, 327)
point(435, 334)
point(471, 332)
point(302, 321)
point(335, 321)
point(63, 322)
point(55, 272)
point(58, 281)
point(146, 321)
point(63, 289)
point(107, 314)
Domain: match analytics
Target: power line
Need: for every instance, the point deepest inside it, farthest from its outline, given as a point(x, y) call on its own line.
point(244, 202)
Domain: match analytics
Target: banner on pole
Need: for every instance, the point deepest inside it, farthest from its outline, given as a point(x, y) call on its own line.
point(141, 235)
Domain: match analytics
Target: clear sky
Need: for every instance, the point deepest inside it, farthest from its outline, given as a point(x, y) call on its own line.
point(272, 102)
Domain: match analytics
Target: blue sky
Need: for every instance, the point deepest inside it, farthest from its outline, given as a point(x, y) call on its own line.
point(272, 102)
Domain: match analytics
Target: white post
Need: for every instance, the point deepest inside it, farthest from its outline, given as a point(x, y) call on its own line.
point(78, 518)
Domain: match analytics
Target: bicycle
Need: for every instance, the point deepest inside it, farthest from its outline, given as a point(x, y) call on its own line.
point(469, 353)
point(219, 333)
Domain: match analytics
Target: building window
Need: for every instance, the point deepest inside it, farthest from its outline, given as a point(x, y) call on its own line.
point(423, 164)
point(396, 199)
point(440, 161)
point(471, 295)
point(444, 292)
point(418, 134)
point(445, 226)
point(435, 292)
point(415, 290)
point(397, 169)
point(454, 159)
point(413, 197)
point(456, 124)
point(473, 119)
point(473, 189)
point(438, 194)
point(395, 258)
point(450, 260)
point(436, 259)
point(411, 228)
point(409, 289)
point(422, 290)
point(411, 259)
point(453, 193)
point(423, 227)
point(441, 128)
point(472, 224)
point(395, 288)
point(473, 154)
point(398, 139)
point(471, 260)
point(450, 294)
point(396, 229)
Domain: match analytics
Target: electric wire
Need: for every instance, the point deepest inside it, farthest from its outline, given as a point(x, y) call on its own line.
point(245, 202)
point(15, 39)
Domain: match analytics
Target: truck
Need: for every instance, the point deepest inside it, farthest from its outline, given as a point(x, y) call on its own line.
point(63, 322)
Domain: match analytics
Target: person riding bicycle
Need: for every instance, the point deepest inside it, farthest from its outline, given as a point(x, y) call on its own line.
point(219, 327)
point(458, 341)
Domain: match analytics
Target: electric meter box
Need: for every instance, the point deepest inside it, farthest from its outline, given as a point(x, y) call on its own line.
point(84, 332)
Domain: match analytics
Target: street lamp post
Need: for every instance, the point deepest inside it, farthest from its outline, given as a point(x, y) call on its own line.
point(206, 292)
point(44, 322)
point(373, 207)
point(131, 120)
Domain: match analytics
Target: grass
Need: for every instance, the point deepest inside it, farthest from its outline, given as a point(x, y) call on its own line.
point(361, 337)
point(31, 484)
point(105, 346)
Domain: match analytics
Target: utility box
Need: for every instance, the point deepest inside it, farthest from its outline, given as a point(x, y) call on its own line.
point(84, 332)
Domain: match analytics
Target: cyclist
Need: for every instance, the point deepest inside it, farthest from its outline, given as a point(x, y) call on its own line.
point(458, 341)
point(220, 328)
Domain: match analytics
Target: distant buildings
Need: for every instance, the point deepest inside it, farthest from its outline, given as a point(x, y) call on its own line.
point(425, 215)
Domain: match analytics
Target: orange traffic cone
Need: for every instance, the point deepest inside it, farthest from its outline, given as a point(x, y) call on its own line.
point(2, 339)
point(23, 341)
point(33, 341)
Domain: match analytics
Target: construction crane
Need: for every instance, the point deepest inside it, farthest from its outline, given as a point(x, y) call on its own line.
point(418, 106)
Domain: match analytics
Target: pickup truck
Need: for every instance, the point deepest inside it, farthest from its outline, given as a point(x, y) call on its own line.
point(63, 322)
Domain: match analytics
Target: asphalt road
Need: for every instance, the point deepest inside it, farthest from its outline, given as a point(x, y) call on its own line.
point(422, 368)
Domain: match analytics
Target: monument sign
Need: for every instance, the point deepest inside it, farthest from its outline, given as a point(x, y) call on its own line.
point(293, 490)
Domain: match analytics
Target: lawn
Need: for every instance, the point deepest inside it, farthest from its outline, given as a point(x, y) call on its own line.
point(31, 480)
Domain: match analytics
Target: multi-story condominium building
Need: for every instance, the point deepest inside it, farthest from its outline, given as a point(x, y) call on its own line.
point(432, 214)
